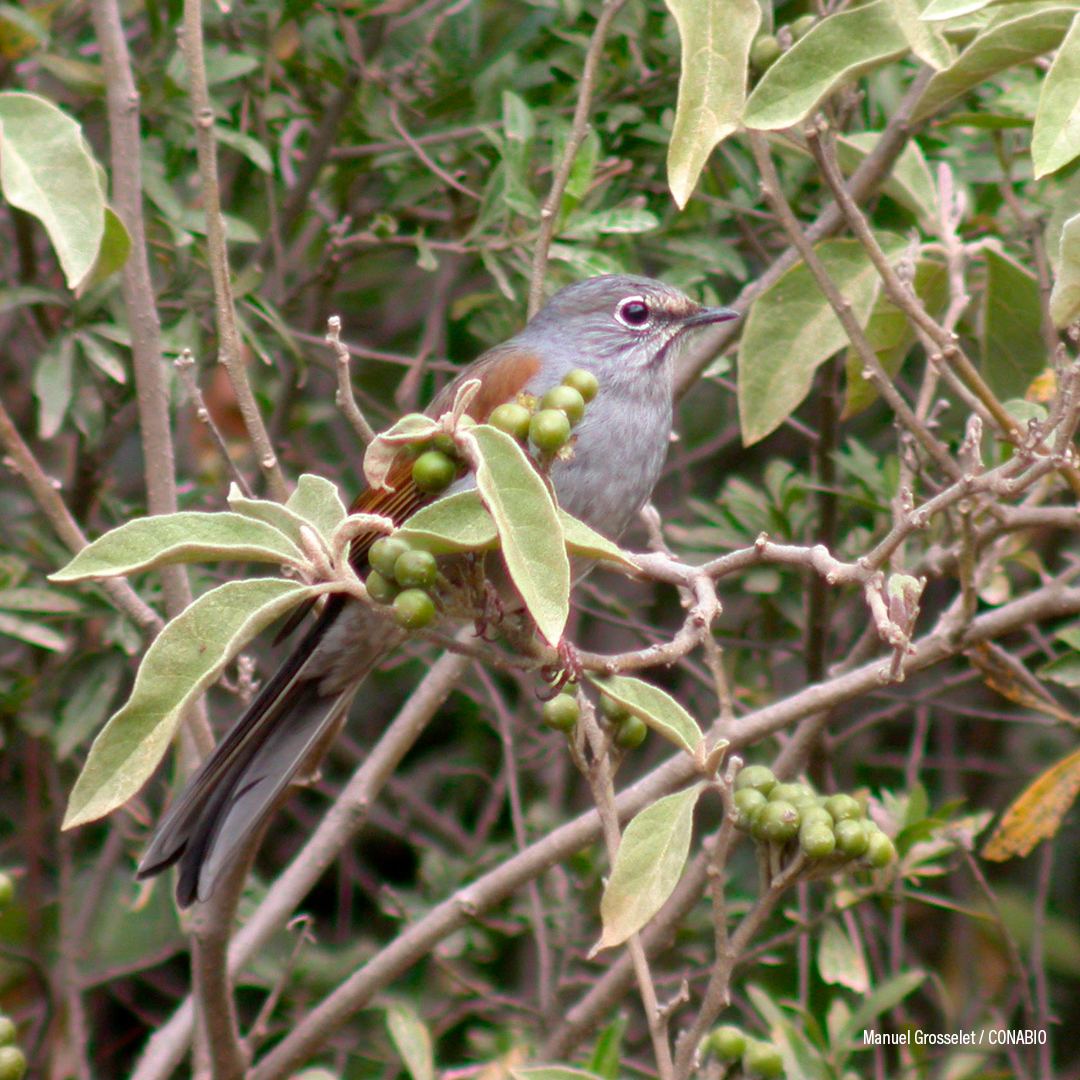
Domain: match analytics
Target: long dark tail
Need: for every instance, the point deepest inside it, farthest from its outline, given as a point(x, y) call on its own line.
point(291, 720)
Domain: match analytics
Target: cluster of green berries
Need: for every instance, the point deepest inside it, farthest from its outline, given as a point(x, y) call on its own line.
point(627, 730)
point(546, 423)
point(833, 826)
point(758, 1058)
point(402, 575)
point(767, 48)
point(12, 1059)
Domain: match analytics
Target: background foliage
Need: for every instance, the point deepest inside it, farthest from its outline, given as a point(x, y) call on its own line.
point(405, 166)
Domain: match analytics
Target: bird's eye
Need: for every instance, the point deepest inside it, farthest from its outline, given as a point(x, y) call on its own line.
point(633, 313)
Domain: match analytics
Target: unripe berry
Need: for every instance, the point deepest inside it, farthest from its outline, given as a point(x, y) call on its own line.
point(747, 803)
point(12, 1063)
point(561, 712)
point(630, 733)
point(764, 52)
point(776, 822)
point(7, 890)
point(511, 418)
point(763, 1059)
point(880, 850)
point(381, 589)
point(615, 711)
point(797, 794)
point(384, 553)
point(566, 399)
point(415, 569)
point(843, 807)
point(434, 471)
point(549, 430)
point(413, 609)
point(8, 1031)
point(759, 777)
point(727, 1042)
point(816, 839)
point(802, 26)
point(584, 382)
point(852, 837)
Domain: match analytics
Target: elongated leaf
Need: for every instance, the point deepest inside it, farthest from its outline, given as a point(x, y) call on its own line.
point(1013, 349)
point(32, 632)
point(909, 181)
point(581, 540)
point(1003, 45)
point(840, 959)
point(838, 49)
point(927, 41)
point(184, 659)
point(43, 601)
point(47, 170)
point(716, 40)
point(659, 710)
point(529, 530)
point(112, 254)
point(53, 386)
point(412, 1039)
point(318, 502)
point(877, 1002)
point(553, 1072)
point(791, 329)
point(648, 866)
point(1065, 297)
point(190, 536)
point(1055, 140)
point(938, 10)
point(458, 522)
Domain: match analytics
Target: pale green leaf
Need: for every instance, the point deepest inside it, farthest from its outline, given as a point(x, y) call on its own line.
point(318, 501)
point(189, 536)
point(837, 50)
point(552, 1072)
point(52, 385)
point(412, 1039)
point(581, 540)
point(619, 219)
point(648, 866)
point(112, 254)
point(658, 709)
point(31, 632)
point(909, 181)
point(530, 534)
point(183, 660)
point(1065, 297)
point(879, 1001)
point(937, 10)
point(102, 355)
point(1013, 351)
point(251, 148)
point(47, 170)
point(925, 38)
point(1055, 140)
point(716, 40)
point(791, 329)
point(458, 522)
point(840, 959)
point(1005, 44)
point(43, 601)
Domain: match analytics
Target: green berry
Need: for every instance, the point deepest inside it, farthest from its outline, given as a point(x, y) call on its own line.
point(802, 26)
point(434, 471)
point(763, 1059)
point(8, 1031)
point(615, 711)
point(798, 794)
point(511, 418)
point(852, 837)
point(549, 430)
point(385, 552)
point(444, 441)
point(758, 777)
point(12, 1063)
point(7, 889)
point(816, 813)
point(727, 1042)
point(816, 839)
point(415, 569)
point(880, 850)
point(630, 733)
point(561, 712)
point(567, 400)
point(584, 382)
point(747, 803)
point(843, 807)
point(776, 822)
point(764, 52)
point(413, 609)
point(381, 589)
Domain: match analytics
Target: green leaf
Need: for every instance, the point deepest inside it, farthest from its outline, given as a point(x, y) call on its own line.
point(112, 254)
point(32, 633)
point(1055, 140)
point(1013, 351)
point(791, 329)
point(183, 660)
point(552, 1072)
point(43, 601)
point(189, 536)
point(581, 540)
point(716, 41)
point(877, 1002)
point(251, 148)
point(88, 705)
point(530, 534)
point(909, 181)
point(659, 710)
point(937, 10)
point(619, 219)
point(318, 502)
point(606, 1058)
point(840, 959)
point(927, 41)
point(1002, 45)
point(837, 50)
point(412, 1039)
point(52, 385)
point(102, 355)
point(648, 866)
point(47, 170)
point(458, 522)
point(1065, 296)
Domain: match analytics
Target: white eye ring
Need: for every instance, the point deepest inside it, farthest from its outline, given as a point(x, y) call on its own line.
point(634, 313)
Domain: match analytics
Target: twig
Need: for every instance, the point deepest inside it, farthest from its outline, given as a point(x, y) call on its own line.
point(426, 158)
point(345, 399)
point(229, 349)
point(549, 210)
